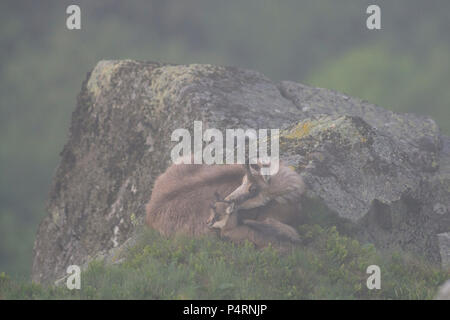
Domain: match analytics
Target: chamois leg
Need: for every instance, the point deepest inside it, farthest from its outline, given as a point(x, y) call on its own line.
point(262, 233)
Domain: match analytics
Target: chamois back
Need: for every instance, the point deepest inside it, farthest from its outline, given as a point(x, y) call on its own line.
point(182, 195)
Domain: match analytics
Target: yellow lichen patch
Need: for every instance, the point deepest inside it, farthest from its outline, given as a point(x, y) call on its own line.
point(101, 75)
point(171, 80)
point(133, 220)
point(55, 216)
point(299, 131)
point(168, 84)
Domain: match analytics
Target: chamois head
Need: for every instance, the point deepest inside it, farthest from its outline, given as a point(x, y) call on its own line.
point(220, 211)
point(258, 189)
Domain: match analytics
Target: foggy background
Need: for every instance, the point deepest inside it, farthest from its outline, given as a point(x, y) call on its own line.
point(404, 67)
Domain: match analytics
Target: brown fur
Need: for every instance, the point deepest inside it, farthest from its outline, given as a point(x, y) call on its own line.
point(182, 196)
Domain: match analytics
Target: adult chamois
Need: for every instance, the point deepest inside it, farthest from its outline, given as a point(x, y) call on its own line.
point(182, 196)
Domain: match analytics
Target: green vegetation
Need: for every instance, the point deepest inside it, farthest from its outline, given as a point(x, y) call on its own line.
point(327, 266)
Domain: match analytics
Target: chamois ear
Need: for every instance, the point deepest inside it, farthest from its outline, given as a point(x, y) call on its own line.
point(230, 208)
point(247, 168)
point(253, 169)
point(248, 171)
point(266, 177)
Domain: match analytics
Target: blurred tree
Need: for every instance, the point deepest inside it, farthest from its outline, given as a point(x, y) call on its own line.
point(400, 82)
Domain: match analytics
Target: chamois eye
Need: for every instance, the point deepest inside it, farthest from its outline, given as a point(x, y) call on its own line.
point(253, 189)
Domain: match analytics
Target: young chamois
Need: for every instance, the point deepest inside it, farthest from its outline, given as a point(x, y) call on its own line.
point(232, 227)
point(260, 209)
point(182, 196)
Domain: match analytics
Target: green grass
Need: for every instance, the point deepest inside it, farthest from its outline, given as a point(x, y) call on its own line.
point(327, 266)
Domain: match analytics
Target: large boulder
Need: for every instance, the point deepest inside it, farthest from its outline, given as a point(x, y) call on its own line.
point(387, 174)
